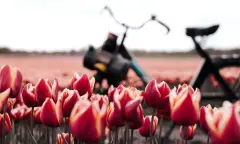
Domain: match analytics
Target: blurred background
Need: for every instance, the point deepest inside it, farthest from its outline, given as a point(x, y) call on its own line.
point(47, 38)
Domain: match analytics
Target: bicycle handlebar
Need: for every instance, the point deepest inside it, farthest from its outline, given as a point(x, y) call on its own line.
point(153, 18)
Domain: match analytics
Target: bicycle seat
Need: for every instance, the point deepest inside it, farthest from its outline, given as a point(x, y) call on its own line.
point(193, 32)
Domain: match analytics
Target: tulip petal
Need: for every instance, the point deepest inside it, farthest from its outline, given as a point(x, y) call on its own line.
point(50, 114)
point(43, 91)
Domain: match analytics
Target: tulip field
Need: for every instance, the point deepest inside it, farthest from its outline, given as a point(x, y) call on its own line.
point(50, 100)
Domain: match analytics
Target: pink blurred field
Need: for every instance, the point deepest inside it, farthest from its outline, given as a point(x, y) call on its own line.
point(63, 67)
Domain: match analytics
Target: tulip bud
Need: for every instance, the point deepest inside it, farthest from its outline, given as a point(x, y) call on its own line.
point(187, 132)
point(51, 113)
point(10, 78)
point(44, 89)
point(70, 97)
point(82, 84)
point(7, 125)
point(100, 99)
point(185, 106)
point(112, 90)
point(85, 121)
point(157, 95)
point(134, 113)
point(29, 95)
point(145, 129)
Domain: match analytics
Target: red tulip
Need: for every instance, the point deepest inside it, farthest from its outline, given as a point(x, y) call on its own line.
point(85, 121)
point(3, 99)
point(203, 111)
point(134, 115)
point(66, 137)
point(20, 112)
point(165, 113)
point(185, 106)
point(51, 113)
point(82, 84)
point(224, 124)
point(145, 129)
point(100, 99)
point(29, 95)
point(157, 95)
point(46, 89)
point(112, 90)
point(10, 78)
point(10, 104)
point(114, 115)
point(7, 125)
point(36, 115)
point(70, 97)
point(187, 132)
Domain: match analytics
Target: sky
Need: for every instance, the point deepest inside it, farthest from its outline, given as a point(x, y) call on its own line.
point(52, 25)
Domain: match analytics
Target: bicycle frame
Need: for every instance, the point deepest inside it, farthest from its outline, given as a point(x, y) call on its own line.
point(206, 68)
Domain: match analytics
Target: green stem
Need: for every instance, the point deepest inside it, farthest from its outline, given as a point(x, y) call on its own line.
point(132, 130)
point(125, 138)
point(48, 139)
point(53, 136)
point(208, 138)
point(69, 137)
point(146, 140)
point(151, 125)
point(32, 121)
point(160, 131)
point(116, 136)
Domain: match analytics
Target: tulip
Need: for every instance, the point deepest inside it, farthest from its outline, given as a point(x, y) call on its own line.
point(29, 95)
point(46, 89)
point(66, 137)
point(125, 96)
point(134, 115)
point(114, 116)
point(185, 106)
point(224, 124)
point(51, 113)
point(36, 115)
point(100, 99)
point(5, 126)
point(145, 129)
point(10, 78)
point(10, 104)
point(203, 111)
point(3, 99)
point(20, 112)
point(69, 97)
point(82, 84)
point(112, 90)
point(157, 95)
point(187, 132)
point(85, 121)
